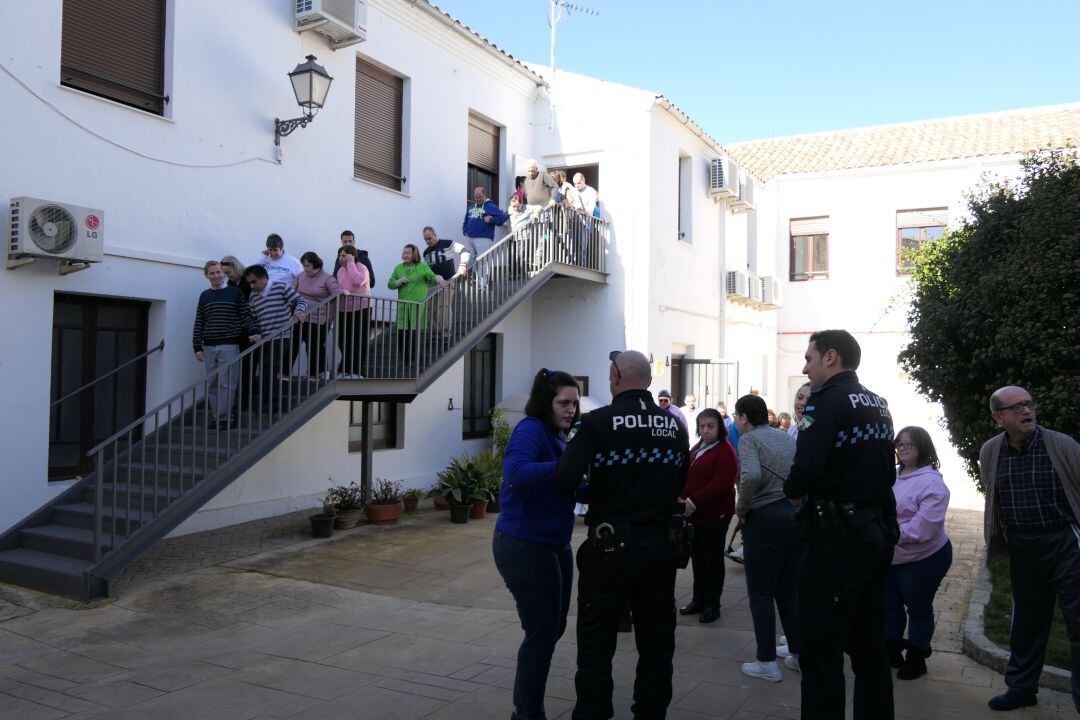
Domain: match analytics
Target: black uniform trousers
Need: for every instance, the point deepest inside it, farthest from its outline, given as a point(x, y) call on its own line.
point(1043, 564)
point(842, 604)
point(707, 555)
point(643, 573)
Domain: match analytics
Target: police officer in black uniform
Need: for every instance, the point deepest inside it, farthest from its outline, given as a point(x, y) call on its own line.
point(636, 456)
point(843, 473)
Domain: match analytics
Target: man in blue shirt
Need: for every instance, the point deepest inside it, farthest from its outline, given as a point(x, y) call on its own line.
point(479, 225)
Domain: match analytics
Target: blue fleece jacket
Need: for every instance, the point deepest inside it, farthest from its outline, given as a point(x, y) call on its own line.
point(531, 509)
point(474, 225)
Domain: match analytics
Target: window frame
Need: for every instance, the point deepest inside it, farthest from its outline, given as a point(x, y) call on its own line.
point(475, 420)
point(812, 240)
point(902, 269)
point(394, 422)
point(366, 168)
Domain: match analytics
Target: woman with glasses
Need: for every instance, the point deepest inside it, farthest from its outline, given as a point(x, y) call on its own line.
point(532, 535)
point(922, 556)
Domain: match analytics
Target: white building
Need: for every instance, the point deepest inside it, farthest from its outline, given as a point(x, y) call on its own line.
point(164, 123)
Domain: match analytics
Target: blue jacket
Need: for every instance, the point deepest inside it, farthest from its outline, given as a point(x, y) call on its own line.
point(474, 225)
point(531, 509)
point(732, 433)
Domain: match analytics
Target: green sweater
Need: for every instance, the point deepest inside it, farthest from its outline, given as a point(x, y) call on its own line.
point(420, 276)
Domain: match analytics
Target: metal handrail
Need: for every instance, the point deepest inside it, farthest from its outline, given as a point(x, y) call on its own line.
point(185, 438)
point(118, 368)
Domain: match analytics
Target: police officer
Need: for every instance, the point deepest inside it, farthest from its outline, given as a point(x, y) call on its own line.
point(843, 472)
point(636, 456)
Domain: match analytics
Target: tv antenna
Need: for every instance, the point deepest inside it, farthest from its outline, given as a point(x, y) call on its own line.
point(558, 11)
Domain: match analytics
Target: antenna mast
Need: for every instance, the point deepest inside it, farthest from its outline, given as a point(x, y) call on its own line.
point(557, 11)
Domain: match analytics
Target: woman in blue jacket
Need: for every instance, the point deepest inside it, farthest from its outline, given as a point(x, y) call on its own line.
point(532, 536)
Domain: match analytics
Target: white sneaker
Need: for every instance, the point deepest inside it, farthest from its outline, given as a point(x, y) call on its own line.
point(782, 640)
point(763, 671)
point(783, 651)
point(791, 662)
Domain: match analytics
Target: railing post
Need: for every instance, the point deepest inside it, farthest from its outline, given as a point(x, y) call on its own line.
point(99, 480)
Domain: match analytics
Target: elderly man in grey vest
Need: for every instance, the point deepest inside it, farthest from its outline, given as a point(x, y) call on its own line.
point(1031, 476)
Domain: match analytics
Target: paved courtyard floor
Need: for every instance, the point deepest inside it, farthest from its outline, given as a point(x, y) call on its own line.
point(408, 621)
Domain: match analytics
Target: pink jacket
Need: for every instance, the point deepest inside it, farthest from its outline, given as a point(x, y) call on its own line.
point(921, 502)
point(315, 290)
point(353, 278)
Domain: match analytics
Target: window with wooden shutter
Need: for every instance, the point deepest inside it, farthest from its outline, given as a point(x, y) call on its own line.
point(809, 258)
point(377, 129)
point(483, 162)
point(116, 49)
point(914, 228)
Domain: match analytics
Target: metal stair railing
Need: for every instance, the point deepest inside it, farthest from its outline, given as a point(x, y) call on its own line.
point(555, 234)
point(181, 444)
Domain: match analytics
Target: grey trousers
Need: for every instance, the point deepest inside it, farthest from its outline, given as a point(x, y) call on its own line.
point(1043, 565)
point(221, 394)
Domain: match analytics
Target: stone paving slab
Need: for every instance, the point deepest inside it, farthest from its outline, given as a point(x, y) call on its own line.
point(407, 621)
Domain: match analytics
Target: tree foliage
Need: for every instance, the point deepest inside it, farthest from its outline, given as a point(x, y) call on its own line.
point(995, 303)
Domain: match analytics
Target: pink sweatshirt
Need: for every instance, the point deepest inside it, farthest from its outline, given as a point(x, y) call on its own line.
point(353, 278)
point(315, 289)
point(921, 502)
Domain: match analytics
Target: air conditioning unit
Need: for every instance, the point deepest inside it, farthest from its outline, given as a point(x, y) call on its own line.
point(770, 293)
point(745, 199)
point(723, 179)
point(737, 286)
point(45, 229)
point(754, 291)
point(343, 21)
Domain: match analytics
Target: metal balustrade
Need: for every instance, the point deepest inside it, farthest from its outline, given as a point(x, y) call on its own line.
point(347, 338)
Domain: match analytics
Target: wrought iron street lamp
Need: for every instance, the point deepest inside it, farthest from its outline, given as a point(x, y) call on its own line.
point(310, 83)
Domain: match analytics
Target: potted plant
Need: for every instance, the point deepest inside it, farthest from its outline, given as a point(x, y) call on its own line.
point(322, 524)
point(411, 498)
point(385, 506)
point(492, 469)
point(500, 437)
point(348, 501)
point(462, 483)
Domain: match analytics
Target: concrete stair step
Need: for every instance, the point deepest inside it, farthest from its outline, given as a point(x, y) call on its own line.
point(81, 515)
point(61, 540)
point(51, 573)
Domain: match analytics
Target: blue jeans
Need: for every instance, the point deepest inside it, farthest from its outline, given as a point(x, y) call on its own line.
point(773, 555)
point(914, 585)
point(540, 578)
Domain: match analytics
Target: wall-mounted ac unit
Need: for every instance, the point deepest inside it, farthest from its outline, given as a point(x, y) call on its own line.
point(737, 286)
point(45, 229)
point(745, 201)
point(343, 21)
point(770, 293)
point(754, 291)
point(723, 179)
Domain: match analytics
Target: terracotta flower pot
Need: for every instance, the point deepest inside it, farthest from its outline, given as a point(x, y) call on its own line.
point(411, 503)
point(348, 518)
point(384, 514)
point(441, 503)
point(478, 509)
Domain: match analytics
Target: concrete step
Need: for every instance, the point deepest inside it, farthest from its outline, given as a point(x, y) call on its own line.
point(61, 540)
point(44, 571)
point(81, 515)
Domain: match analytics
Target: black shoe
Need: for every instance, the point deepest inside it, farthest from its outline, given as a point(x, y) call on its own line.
point(692, 609)
point(212, 424)
point(1011, 700)
point(914, 665)
point(709, 614)
point(895, 649)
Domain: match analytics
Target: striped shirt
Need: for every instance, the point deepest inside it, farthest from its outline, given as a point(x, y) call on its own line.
point(275, 306)
point(1029, 492)
point(222, 318)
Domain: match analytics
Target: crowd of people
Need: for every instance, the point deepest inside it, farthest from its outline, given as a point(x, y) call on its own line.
point(246, 301)
point(843, 533)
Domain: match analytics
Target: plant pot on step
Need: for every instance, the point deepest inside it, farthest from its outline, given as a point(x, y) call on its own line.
point(478, 509)
point(384, 514)
point(411, 503)
point(348, 518)
point(441, 503)
point(493, 504)
point(459, 513)
point(322, 526)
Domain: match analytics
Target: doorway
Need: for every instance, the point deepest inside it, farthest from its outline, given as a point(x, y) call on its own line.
point(90, 336)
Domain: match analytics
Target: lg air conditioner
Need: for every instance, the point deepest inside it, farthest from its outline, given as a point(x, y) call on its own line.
point(737, 286)
point(723, 179)
point(754, 290)
point(745, 200)
point(770, 293)
point(344, 22)
point(45, 229)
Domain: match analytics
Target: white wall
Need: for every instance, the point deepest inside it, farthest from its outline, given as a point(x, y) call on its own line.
point(203, 182)
point(863, 294)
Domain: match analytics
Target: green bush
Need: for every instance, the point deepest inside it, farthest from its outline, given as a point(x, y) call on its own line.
point(995, 303)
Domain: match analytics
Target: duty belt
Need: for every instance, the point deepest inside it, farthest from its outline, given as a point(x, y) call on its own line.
point(631, 531)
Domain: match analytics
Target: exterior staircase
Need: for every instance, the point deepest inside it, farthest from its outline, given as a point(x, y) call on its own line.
point(157, 471)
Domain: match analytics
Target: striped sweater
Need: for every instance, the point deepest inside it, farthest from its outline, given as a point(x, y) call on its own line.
point(275, 306)
point(222, 317)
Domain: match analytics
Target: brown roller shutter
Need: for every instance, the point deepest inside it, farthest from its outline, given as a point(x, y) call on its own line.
point(116, 49)
point(377, 129)
point(483, 144)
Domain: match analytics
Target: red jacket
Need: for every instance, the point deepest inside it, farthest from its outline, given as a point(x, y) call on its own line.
point(711, 483)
